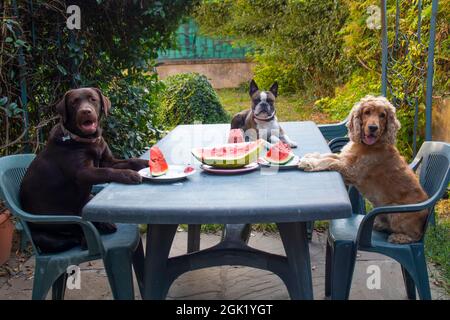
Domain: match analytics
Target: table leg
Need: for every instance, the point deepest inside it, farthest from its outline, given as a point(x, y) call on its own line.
point(193, 237)
point(295, 241)
point(159, 242)
point(237, 232)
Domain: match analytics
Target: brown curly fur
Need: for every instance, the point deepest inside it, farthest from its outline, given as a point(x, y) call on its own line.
point(376, 168)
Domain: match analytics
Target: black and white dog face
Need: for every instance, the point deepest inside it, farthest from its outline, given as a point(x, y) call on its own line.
point(260, 122)
point(263, 102)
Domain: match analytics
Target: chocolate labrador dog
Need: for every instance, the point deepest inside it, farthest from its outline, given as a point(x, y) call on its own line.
point(60, 178)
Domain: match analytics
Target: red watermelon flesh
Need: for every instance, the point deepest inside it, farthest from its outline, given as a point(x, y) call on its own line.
point(157, 163)
point(189, 169)
point(235, 136)
point(279, 154)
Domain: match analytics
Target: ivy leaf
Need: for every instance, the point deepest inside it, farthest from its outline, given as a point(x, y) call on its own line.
point(12, 109)
point(20, 43)
point(3, 101)
point(61, 69)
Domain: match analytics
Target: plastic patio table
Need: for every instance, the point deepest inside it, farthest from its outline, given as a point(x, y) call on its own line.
point(288, 198)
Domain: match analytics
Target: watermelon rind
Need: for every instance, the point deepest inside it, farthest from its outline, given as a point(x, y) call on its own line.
point(158, 174)
point(280, 162)
point(230, 162)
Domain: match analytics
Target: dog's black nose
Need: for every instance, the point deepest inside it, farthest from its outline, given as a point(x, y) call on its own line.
point(373, 128)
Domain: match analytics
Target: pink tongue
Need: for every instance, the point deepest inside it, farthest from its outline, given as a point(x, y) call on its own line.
point(369, 140)
point(90, 127)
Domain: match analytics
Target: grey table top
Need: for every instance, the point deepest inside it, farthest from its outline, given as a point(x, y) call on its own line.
point(256, 197)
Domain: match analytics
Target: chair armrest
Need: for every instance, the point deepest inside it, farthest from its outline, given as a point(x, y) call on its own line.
point(338, 143)
point(415, 163)
point(364, 237)
point(93, 240)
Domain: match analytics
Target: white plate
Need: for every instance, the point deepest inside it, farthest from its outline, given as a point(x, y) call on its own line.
point(175, 173)
point(293, 163)
point(249, 167)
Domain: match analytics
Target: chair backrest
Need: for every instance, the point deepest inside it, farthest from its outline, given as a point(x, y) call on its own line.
point(434, 169)
point(12, 171)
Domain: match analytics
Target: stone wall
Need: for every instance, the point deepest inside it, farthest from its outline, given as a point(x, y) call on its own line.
point(222, 73)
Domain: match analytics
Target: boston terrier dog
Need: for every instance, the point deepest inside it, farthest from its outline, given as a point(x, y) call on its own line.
point(260, 121)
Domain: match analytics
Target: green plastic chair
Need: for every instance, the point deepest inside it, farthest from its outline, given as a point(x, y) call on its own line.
point(335, 130)
point(346, 236)
point(24, 240)
point(119, 251)
point(337, 144)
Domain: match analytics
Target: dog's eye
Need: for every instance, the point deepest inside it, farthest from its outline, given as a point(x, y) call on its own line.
point(382, 115)
point(367, 112)
point(92, 99)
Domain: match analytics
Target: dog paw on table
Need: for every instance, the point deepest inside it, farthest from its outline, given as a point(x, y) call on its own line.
point(128, 176)
point(306, 164)
point(138, 164)
point(312, 155)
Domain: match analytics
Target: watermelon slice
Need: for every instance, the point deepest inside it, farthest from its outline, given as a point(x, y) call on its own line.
point(157, 163)
point(229, 156)
point(279, 154)
point(235, 136)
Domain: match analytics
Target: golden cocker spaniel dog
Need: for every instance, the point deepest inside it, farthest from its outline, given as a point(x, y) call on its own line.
point(372, 163)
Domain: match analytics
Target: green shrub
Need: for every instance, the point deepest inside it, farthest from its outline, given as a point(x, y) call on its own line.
point(117, 43)
point(360, 85)
point(132, 125)
point(296, 42)
point(190, 98)
point(437, 241)
point(362, 44)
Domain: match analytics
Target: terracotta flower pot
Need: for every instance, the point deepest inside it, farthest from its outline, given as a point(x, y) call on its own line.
point(6, 236)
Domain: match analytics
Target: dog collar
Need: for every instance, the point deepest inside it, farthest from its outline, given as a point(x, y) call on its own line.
point(265, 119)
point(67, 135)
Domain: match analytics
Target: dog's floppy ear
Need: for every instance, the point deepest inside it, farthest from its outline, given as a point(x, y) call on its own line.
point(61, 107)
point(354, 123)
point(104, 101)
point(392, 124)
point(274, 89)
point(253, 87)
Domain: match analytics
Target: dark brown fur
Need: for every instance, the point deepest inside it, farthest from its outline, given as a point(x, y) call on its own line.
point(60, 179)
point(243, 120)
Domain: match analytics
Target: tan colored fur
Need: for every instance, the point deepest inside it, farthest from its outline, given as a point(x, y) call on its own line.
point(378, 171)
